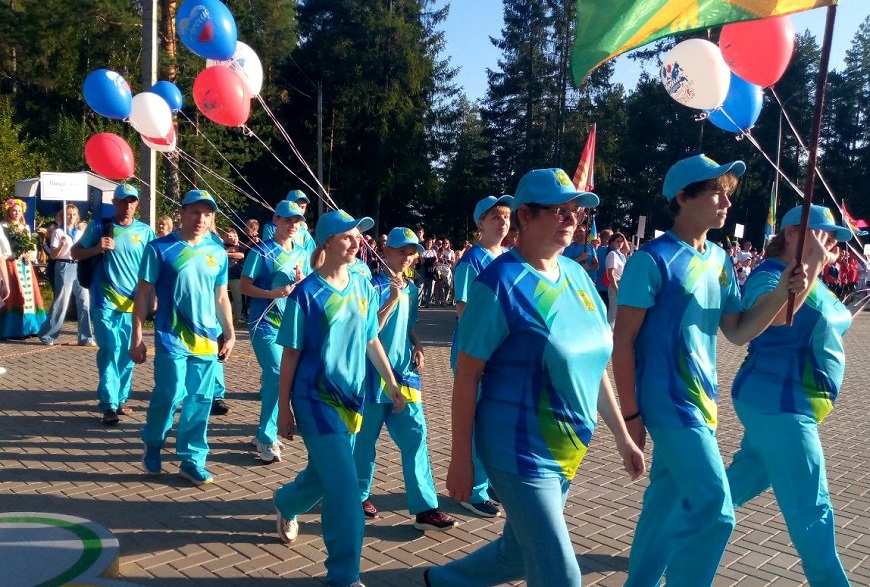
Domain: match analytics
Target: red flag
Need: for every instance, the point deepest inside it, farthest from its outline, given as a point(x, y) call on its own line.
point(584, 177)
point(855, 225)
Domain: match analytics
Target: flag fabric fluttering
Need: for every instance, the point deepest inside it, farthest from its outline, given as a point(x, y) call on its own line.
point(856, 226)
point(584, 176)
point(593, 231)
point(607, 28)
point(770, 227)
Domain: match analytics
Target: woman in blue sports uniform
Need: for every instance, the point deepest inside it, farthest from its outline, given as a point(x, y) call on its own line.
point(329, 330)
point(493, 218)
point(541, 388)
point(270, 273)
point(785, 388)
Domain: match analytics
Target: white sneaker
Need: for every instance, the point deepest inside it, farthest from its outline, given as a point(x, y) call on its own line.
point(288, 530)
point(256, 443)
point(269, 453)
point(2, 370)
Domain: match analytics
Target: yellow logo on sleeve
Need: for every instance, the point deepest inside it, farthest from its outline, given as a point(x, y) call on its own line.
point(587, 301)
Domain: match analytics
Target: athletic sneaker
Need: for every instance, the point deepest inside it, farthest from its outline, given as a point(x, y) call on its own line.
point(269, 453)
point(2, 370)
point(219, 408)
point(493, 496)
point(356, 584)
point(369, 509)
point(151, 460)
point(484, 509)
point(256, 443)
point(288, 530)
point(110, 417)
point(196, 475)
point(434, 520)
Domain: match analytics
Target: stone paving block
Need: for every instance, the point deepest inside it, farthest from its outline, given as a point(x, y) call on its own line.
point(55, 455)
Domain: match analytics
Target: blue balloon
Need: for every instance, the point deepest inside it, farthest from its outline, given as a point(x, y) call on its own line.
point(107, 93)
point(742, 106)
point(169, 92)
point(207, 28)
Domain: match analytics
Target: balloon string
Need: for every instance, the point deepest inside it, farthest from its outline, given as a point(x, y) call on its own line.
point(748, 136)
point(262, 201)
point(818, 168)
point(188, 158)
point(322, 193)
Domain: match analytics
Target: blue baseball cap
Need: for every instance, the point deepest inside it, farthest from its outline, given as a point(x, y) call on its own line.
point(339, 221)
point(286, 209)
point(194, 196)
point(490, 202)
point(401, 236)
point(820, 218)
point(549, 187)
point(694, 169)
point(125, 190)
point(296, 195)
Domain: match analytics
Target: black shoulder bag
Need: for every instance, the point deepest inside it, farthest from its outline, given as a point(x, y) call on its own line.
point(86, 268)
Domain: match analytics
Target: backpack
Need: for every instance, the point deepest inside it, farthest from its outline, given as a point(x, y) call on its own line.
point(86, 268)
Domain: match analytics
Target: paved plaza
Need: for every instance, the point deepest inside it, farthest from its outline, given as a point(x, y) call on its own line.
point(56, 457)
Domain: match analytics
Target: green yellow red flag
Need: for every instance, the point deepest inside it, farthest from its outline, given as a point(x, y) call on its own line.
point(607, 28)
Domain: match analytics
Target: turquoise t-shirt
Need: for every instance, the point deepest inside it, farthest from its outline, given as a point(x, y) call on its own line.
point(469, 266)
point(360, 268)
point(546, 346)
point(794, 369)
point(397, 344)
point(271, 266)
point(685, 293)
point(302, 238)
point(114, 283)
point(185, 278)
point(574, 250)
point(330, 328)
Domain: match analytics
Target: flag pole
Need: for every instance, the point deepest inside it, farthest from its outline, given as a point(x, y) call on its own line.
point(821, 82)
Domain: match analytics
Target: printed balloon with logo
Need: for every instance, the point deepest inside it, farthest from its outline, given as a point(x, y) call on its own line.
point(221, 95)
point(759, 51)
point(695, 75)
point(109, 155)
point(741, 107)
point(245, 63)
point(207, 28)
point(108, 94)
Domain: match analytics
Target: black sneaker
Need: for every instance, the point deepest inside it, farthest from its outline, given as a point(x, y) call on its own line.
point(369, 509)
point(110, 417)
point(434, 520)
point(219, 408)
point(484, 509)
point(493, 497)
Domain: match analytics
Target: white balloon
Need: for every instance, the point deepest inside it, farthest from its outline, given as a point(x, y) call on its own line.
point(162, 144)
point(695, 74)
point(151, 115)
point(245, 63)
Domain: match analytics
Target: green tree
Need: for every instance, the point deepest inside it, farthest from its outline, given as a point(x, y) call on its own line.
point(20, 159)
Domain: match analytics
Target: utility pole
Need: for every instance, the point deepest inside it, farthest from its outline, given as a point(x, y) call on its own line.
point(320, 149)
point(147, 159)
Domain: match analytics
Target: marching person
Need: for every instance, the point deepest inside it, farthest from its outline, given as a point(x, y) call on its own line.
point(270, 273)
point(329, 329)
point(785, 388)
point(397, 316)
point(187, 271)
point(540, 391)
point(112, 291)
point(675, 293)
point(493, 219)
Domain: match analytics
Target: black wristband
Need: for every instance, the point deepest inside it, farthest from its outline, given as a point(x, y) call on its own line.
point(634, 416)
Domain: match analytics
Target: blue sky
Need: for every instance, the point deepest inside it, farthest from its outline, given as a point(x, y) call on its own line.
point(471, 23)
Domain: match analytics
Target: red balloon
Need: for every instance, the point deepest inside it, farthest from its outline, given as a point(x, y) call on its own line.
point(758, 51)
point(110, 156)
point(221, 95)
